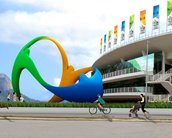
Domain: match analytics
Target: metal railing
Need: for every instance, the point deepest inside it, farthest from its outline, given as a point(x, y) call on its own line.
point(120, 72)
point(160, 76)
point(140, 37)
point(165, 97)
point(168, 71)
point(128, 89)
point(155, 77)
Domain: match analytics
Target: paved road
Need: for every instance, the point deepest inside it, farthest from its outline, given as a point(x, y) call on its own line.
point(78, 123)
point(83, 129)
point(116, 113)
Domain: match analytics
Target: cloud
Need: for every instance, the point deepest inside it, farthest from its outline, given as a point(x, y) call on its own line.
point(77, 25)
point(67, 21)
point(19, 27)
point(76, 36)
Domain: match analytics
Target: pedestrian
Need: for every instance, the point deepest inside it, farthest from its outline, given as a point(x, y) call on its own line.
point(8, 96)
point(143, 102)
point(14, 97)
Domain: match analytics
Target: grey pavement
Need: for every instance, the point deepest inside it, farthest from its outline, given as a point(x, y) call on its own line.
point(116, 113)
point(78, 123)
point(83, 129)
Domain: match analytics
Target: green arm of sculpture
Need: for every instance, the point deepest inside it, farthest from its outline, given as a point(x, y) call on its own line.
point(24, 61)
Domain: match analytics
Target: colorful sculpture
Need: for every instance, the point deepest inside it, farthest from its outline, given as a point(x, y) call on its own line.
point(85, 90)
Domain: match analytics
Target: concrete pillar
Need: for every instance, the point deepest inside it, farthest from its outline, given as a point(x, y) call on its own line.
point(163, 62)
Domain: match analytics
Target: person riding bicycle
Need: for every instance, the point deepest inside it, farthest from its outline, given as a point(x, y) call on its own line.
point(100, 102)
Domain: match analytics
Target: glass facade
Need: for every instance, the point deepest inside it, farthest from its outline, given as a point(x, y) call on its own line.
point(139, 64)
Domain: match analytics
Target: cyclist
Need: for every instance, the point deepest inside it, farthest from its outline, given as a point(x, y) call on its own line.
point(100, 102)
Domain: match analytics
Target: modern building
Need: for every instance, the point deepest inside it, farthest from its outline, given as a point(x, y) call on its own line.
point(140, 62)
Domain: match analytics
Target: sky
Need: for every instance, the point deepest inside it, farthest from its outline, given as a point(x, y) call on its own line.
point(77, 25)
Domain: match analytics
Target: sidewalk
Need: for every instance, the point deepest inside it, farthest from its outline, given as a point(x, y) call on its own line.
point(116, 113)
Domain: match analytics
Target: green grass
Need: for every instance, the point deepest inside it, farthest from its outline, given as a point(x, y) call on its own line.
point(155, 104)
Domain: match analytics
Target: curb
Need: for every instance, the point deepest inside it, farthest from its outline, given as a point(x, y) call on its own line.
point(10, 118)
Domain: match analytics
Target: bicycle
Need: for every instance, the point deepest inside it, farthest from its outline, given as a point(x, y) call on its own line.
point(93, 110)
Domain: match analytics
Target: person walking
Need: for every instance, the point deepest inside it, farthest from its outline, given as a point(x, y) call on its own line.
point(8, 96)
point(14, 97)
point(143, 102)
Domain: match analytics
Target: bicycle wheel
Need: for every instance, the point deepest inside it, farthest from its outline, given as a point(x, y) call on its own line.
point(93, 110)
point(106, 110)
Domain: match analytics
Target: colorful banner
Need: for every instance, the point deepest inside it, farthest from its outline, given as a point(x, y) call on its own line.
point(169, 13)
point(115, 34)
point(131, 26)
point(155, 22)
point(123, 31)
point(105, 42)
point(100, 45)
point(142, 22)
point(109, 38)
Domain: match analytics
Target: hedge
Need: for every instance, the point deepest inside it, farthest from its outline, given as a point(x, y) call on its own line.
point(155, 104)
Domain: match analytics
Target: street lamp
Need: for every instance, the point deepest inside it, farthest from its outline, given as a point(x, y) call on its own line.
point(147, 52)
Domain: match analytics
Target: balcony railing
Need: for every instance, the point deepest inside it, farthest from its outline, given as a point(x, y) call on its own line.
point(160, 76)
point(138, 37)
point(120, 72)
point(129, 90)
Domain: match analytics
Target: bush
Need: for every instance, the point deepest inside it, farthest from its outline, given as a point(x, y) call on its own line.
point(155, 104)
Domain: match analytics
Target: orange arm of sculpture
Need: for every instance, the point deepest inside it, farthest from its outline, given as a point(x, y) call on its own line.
point(69, 76)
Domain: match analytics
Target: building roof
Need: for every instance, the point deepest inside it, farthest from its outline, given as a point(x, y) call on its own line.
point(134, 48)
